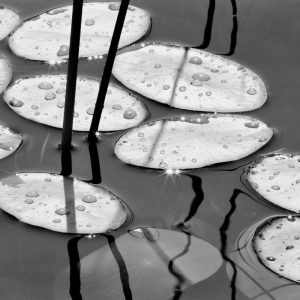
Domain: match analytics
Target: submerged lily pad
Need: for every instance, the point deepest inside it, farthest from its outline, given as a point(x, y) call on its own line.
point(61, 204)
point(192, 141)
point(157, 263)
point(9, 21)
point(9, 141)
point(190, 79)
point(277, 179)
point(47, 36)
point(277, 244)
point(42, 99)
point(5, 73)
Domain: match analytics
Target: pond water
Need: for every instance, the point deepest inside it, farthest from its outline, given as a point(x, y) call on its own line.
point(35, 262)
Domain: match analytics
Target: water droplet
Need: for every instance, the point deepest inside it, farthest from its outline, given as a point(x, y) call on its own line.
point(50, 96)
point(33, 106)
point(163, 165)
point(90, 110)
point(275, 187)
point(251, 91)
point(16, 103)
point(201, 76)
point(157, 66)
point(89, 22)
point(262, 140)
point(195, 60)
point(214, 70)
point(251, 125)
point(289, 247)
point(225, 146)
point(196, 82)
point(208, 93)
point(114, 6)
point(80, 208)
point(60, 90)
point(194, 160)
point(117, 107)
point(129, 114)
point(89, 199)
point(56, 221)
point(141, 134)
point(291, 218)
point(166, 87)
point(32, 194)
point(45, 86)
point(29, 201)
point(48, 179)
point(182, 89)
point(271, 258)
point(60, 104)
point(62, 211)
point(298, 181)
point(254, 185)
point(63, 50)
point(261, 236)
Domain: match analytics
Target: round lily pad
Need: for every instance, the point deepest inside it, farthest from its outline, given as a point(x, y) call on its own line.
point(192, 141)
point(42, 99)
point(277, 179)
point(5, 73)
point(61, 204)
point(47, 36)
point(147, 262)
point(277, 244)
point(190, 79)
point(9, 141)
point(9, 21)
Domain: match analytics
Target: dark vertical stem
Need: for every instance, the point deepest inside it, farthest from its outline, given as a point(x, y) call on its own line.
point(74, 259)
point(72, 75)
point(209, 24)
point(108, 69)
point(122, 266)
point(70, 204)
point(95, 162)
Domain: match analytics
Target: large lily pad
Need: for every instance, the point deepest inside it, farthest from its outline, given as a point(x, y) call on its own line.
point(151, 264)
point(9, 141)
point(277, 179)
point(5, 73)
point(192, 141)
point(42, 99)
point(61, 204)
point(190, 79)
point(277, 244)
point(9, 21)
point(47, 36)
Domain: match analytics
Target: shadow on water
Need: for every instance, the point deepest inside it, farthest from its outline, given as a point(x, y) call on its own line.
point(95, 162)
point(124, 276)
point(75, 283)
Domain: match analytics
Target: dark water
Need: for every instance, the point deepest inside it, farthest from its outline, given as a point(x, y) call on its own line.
point(262, 35)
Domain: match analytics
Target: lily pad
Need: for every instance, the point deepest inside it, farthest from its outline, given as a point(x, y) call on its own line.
point(277, 179)
point(277, 244)
point(42, 99)
point(9, 141)
point(9, 21)
point(190, 79)
point(5, 73)
point(47, 36)
point(192, 141)
point(61, 204)
point(157, 263)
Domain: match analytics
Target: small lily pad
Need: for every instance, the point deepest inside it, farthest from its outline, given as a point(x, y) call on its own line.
point(61, 204)
point(47, 36)
point(42, 99)
point(5, 73)
point(157, 262)
point(9, 141)
point(190, 79)
point(192, 141)
point(277, 179)
point(9, 21)
point(277, 244)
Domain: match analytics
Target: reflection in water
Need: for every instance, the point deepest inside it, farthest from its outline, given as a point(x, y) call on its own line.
point(66, 162)
point(74, 258)
point(70, 203)
point(122, 266)
point(95, 162)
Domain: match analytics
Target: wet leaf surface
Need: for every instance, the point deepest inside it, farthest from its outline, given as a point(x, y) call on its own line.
point(9, 141)
point(42, 99)
point(190, 79)
point(61, 204)
point(9, 21)
point(192, 141)
point(5, 73)
point(46, 37)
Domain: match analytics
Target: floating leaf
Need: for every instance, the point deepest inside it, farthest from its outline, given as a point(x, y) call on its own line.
point(47, 36)
point(192, 141)
point(9, 21)
point(42, 99)
point(277, 179)
point(61, 204)
point(277, 244)
point(9, 141)
point(157, 262)
point(190, 79)
point(5, 73)
point(252, 278)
